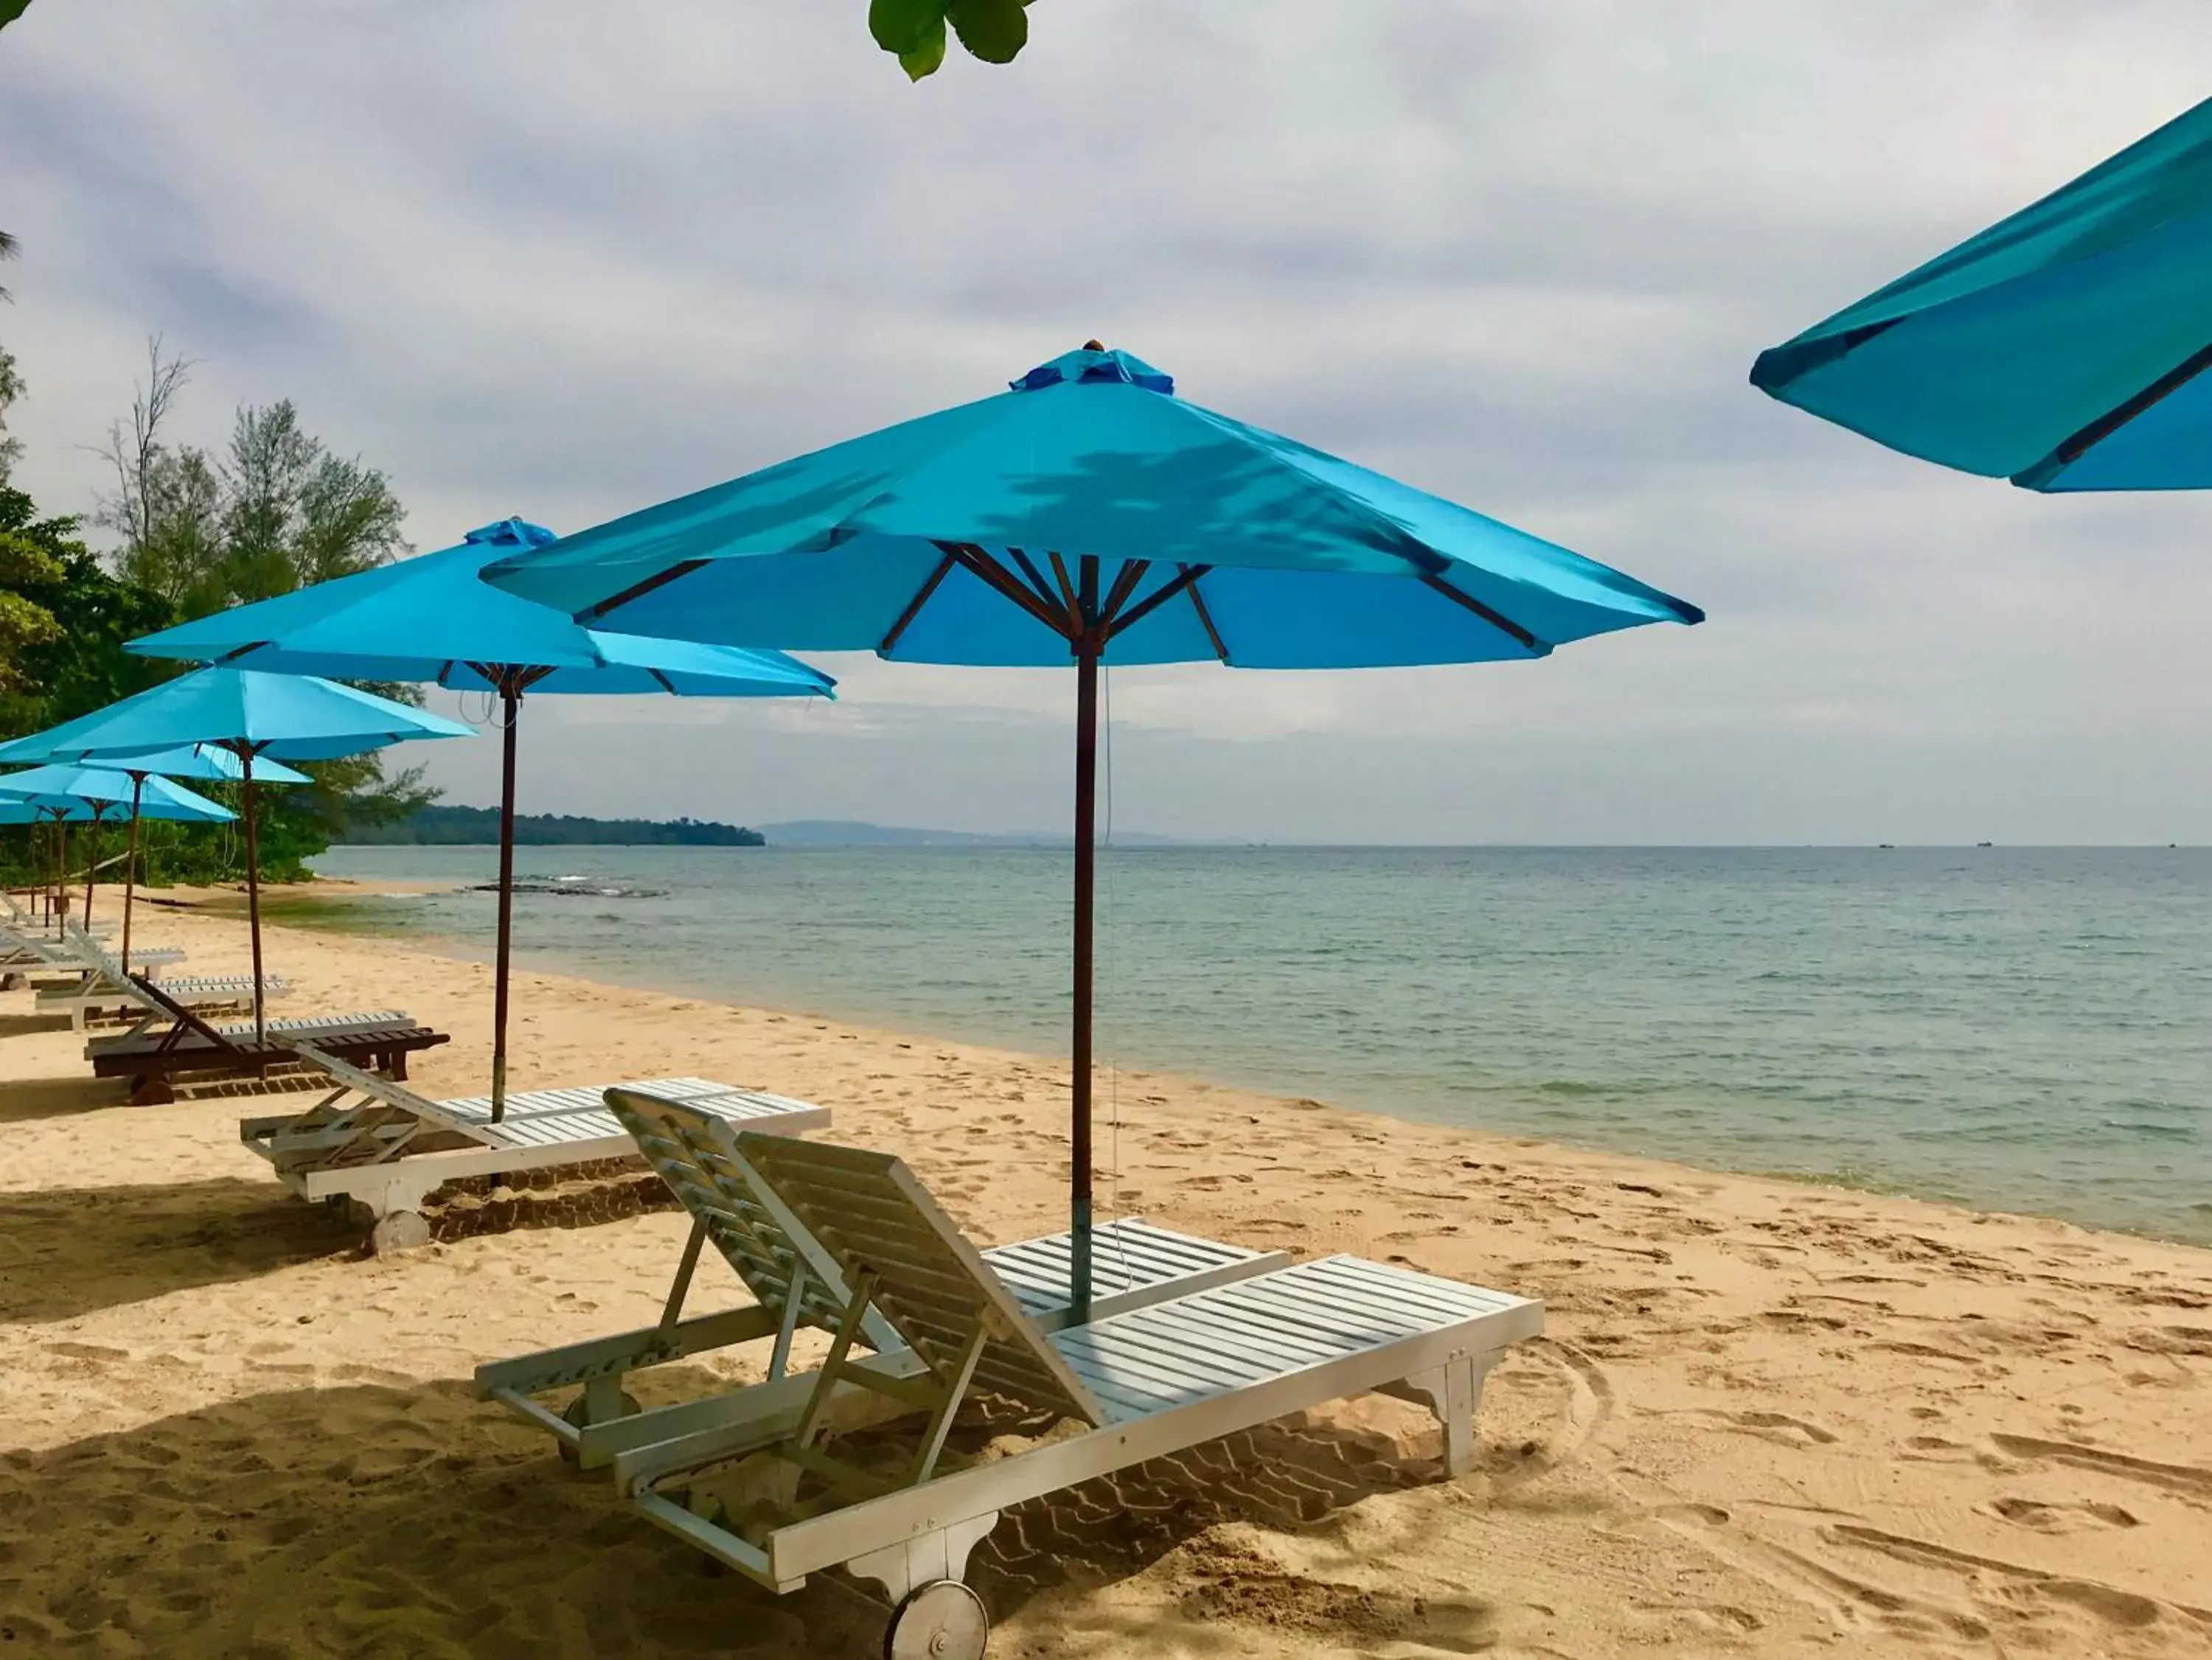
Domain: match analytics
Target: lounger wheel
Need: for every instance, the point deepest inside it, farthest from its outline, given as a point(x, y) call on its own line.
point(578, 1413)
point(941, 1620)
point(399, 1230)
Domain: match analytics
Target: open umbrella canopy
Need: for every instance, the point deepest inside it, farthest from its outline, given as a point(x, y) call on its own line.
point(209, 763)
point(1217, 540)
point(59, 791)
point(285, 716)
point(1088, 517)
point(2065, 348)
point(430, 619)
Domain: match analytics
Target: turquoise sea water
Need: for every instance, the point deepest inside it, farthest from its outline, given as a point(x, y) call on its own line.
point(2019, 1029)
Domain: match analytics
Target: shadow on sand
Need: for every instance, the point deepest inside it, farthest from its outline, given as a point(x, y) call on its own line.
point(68, 1252)
point(373, 1519)
point(23, 1099)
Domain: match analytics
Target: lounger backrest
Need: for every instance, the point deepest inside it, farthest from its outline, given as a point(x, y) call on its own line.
point(97, 956)
point(872, 1216)
point(186, 1019)
point(385, 1091)
point(696, 1153)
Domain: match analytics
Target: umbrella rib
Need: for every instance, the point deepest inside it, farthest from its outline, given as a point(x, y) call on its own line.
point(1185, 575)
point(914, 606)
point(1006, 582)
point(1132, 573)
point(683, 567)
point(2073, 449)
point(1205, 621)
point(1064, 598)
point(1067, 588)
point(666, 684)
point(1497, 619)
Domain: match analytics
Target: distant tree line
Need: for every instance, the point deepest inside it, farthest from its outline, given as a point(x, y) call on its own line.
point(476, 827)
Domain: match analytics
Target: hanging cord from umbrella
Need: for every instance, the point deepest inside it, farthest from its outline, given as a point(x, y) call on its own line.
point(1111, 966)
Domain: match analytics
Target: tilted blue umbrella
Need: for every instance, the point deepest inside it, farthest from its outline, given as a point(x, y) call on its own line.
point(1086, 517)
point(62, 795)
point(430, 619)
point(204, 761)
point(207, 763)
point(255, 717)
point(2065, 347)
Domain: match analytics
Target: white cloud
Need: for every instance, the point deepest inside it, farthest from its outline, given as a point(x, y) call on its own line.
point(562, 259)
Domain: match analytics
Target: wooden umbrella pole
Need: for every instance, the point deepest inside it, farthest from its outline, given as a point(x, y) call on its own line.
point(254, 892)
point(131, 866)
point(91, 863)
point(510, 691)
point(1087, 647)
point(61, 872)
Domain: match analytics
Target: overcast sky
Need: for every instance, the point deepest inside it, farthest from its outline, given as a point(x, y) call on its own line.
point(564, 259)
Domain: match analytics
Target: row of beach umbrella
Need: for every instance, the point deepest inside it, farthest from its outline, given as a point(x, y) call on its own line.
point(1089, 516)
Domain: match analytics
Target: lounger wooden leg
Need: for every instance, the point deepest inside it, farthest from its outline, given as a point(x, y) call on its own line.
point(151, 1089)
point(1453, 1391)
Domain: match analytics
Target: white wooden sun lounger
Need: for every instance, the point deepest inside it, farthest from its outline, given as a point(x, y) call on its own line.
point(25, 951)
point(794, 1283)
point(765, 1498)
point(377, 1142)
point(84, 1002)
point(102, 984)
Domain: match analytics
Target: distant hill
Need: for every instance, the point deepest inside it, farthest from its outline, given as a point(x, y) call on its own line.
point(856, 832)
point(470, 826)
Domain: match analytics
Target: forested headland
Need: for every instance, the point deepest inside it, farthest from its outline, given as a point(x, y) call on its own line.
point(475, 826)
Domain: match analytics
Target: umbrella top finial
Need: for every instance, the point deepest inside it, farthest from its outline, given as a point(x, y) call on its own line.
point(515, 532)
point(1095, 365)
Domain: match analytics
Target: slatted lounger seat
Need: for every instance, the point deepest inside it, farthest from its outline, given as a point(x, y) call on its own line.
point(374, 1143)
point(102, 987)
point(794, 1283)
point(64, 956)
point(89, 1000)
point(767, 1497)
point(192, 1050)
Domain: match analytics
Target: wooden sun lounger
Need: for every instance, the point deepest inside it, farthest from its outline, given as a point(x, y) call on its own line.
point(794, 1283)
point(767, 1497)
point(191, 1050)
point(372, 1141)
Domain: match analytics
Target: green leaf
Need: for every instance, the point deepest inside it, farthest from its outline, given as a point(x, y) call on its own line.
point(899, 26)
point(12, 9)
point(993, 30)
point(924, 58)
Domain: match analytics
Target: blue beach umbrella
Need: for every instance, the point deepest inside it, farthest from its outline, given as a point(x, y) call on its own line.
point(203, 761)
point(62, 794)
point(2065, 347)
point(1086, 517)
point(256, 717)
point(431, 619)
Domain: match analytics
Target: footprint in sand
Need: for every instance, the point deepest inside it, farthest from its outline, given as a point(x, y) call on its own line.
point(1779, 1427)
point(88, 1352)
point(2183, 1478)
point(2063, 1517)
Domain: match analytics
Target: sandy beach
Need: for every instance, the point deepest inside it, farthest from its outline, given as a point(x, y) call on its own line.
point(1769, 1417)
